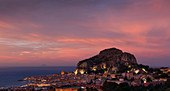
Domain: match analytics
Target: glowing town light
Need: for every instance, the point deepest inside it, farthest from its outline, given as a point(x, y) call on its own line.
point(104, 66)
point(62, 73)
point(75, 72)
point(129, 66)
point(81, 71)
point(144, 70)
point(136, 71)
point(94, 68)
point(144, 80)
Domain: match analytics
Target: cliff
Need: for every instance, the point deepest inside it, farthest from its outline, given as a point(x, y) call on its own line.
point(107, 60)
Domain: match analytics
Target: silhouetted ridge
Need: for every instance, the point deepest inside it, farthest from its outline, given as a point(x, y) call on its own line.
point(107, 58)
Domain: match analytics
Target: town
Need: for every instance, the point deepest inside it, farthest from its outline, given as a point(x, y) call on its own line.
point(81, 81)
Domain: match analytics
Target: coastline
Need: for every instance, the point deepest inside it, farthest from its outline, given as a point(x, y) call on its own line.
point(9, 76)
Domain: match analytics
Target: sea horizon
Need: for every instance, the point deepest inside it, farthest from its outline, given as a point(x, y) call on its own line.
point(9, 76)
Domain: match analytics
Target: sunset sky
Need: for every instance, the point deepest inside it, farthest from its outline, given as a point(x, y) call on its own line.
point(63, 32)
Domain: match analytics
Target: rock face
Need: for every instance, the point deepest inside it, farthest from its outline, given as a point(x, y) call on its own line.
point(108, 58)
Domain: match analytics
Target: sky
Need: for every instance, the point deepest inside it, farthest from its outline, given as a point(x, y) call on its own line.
point(63, 32)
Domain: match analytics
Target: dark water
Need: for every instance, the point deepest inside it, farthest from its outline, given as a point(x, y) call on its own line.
point(9, 76)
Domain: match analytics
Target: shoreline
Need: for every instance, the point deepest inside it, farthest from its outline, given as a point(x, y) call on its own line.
point(9, 76)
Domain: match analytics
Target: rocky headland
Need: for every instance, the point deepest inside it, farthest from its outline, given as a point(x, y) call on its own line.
point(109, 60)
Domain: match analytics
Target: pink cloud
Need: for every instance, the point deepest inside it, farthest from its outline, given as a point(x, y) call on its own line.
point(73, 31)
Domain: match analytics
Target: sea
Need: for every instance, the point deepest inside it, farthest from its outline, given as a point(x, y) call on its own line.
point(9, 76)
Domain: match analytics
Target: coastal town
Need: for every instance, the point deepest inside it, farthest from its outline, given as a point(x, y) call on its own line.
point(84, 45)
point(110, 70)
point(74, 81)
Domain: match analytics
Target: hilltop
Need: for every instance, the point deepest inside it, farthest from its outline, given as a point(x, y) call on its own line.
point(109, 60)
